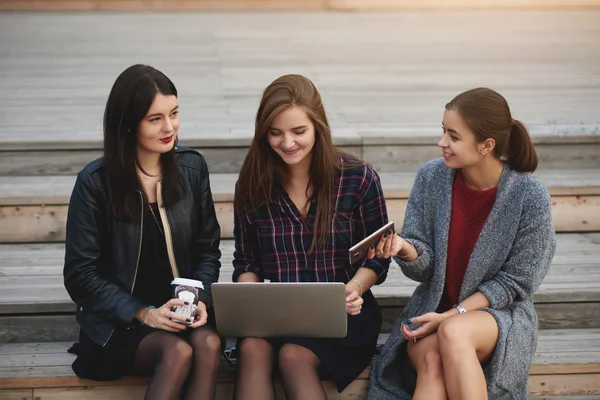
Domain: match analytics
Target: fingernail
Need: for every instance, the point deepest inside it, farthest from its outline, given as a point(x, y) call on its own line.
point(409, 321)
point(385, 236)
point(390, 232)
point(372, 247)
point(187, 303)
point(189, 320)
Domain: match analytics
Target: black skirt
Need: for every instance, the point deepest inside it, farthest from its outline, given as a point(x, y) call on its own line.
point(344, 359)
point(116, 359)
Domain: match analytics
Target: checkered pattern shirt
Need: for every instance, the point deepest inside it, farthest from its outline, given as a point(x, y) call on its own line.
point(273, 241)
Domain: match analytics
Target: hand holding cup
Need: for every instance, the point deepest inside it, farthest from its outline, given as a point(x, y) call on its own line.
point(163, 318)
point(201, 316)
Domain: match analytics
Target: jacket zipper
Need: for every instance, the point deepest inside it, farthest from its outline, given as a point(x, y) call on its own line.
point(137, 263)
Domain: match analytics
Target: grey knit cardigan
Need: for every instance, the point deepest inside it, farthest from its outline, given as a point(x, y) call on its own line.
point(511, 257)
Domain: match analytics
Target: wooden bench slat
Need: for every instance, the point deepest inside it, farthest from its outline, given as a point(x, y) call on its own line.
point(28, 365)
point(31, 274)
point(56, 190)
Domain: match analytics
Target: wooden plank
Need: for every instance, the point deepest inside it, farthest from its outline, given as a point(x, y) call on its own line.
point(35, 224)
point(44, 325)
point(16, 394)
point(97, 393)
point(274, 5)
point(46, 328)
point(584, 397)
point(400, 80)
point(223, 159)
point(564, 385)
point(405, 5)
point(27, 224)
point(56, 189)
point(566, 368)
point(31, 277)
point(158, 5)
point(573, 315)
point(393, 158)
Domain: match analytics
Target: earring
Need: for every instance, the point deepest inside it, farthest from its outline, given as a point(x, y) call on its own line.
point(483, 153)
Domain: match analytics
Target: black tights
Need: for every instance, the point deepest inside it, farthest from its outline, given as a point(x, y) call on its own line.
point(299, 367)
point(171, 362)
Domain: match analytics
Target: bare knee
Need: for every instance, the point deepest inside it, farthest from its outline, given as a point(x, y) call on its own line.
point(292, 357)
point(430, 364)
point(452, 339)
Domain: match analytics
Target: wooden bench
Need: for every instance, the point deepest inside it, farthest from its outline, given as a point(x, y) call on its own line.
point(34, 208)
point(567, 363)
point(287, 5)
point(34, 305)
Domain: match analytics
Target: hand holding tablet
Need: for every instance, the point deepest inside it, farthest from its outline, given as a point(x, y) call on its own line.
point(360, 250)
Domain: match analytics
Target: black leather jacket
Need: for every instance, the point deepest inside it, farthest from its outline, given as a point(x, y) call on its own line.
point(102, 253)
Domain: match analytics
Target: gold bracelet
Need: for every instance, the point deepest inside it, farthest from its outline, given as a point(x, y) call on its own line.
point(359, 285)
point(413, 249)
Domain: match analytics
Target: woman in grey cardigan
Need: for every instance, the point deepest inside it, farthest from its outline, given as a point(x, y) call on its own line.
point(478, 235)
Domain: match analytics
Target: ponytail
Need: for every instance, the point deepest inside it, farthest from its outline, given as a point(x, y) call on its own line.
point(521, 154)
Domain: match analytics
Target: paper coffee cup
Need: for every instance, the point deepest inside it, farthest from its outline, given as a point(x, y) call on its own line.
point(187, 290)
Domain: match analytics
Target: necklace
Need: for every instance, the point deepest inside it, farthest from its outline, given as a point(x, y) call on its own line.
point(156, 220)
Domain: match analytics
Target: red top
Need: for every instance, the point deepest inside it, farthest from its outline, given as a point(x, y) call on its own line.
point(470, 210)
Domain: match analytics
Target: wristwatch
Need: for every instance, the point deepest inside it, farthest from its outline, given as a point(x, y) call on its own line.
point(460, 309)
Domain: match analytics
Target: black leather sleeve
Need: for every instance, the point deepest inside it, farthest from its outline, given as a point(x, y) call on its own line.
point(85, 285)
point(207, 255)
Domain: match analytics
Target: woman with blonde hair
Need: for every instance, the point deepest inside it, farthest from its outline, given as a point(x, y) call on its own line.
point(300, 205)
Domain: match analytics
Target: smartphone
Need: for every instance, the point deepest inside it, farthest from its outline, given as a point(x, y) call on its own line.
point(360, 250)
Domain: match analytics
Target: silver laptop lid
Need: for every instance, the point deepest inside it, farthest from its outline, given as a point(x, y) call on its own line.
point(280, 309)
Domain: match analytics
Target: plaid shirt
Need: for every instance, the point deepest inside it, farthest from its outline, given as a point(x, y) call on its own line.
point(272, 242)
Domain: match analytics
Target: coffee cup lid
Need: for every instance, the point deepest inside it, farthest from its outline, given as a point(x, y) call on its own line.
point(187, 282)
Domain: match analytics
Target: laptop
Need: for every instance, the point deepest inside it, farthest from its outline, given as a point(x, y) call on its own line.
point(259, 309)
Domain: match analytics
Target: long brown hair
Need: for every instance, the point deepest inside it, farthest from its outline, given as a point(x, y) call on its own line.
point(263, 167)
point(487, 115)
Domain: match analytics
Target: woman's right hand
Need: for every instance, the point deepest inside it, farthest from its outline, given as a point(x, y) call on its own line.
point(389, 245)
point(160, 318)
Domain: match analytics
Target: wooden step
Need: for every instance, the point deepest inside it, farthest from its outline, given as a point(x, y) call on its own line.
point(387, 149)
point(278, 5)
point(384, 106)
point(34, 305)
point(34, 208)
point(566, 363)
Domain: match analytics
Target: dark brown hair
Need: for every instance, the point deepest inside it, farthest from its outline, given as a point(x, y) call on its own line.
point(263, 167)
point(130, 99)
point(487, 115)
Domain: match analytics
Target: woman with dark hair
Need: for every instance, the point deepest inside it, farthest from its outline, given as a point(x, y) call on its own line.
point(300, 204)
point(138, 217)
point(478, 234)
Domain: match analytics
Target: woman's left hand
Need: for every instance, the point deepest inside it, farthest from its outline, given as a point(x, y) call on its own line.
point(429, 324)
point(354, 301)
point(201, 316)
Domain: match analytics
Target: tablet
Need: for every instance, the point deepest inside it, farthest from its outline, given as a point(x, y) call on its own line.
point(360, 250)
